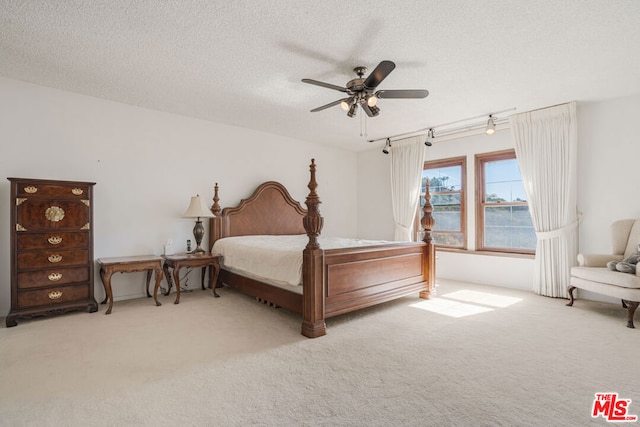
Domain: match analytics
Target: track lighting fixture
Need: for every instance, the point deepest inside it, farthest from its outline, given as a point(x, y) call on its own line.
point(352, 110)
point(429, 141)
point(491, 126)
point(446, 131)
point(387, 146)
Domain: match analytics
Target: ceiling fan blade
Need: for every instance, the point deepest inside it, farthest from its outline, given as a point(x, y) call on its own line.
point(379, 74)
point(331, 104)
point(323, 84)
point(417, 93)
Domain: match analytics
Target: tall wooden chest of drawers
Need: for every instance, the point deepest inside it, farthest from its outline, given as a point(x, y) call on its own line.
point(51, 248)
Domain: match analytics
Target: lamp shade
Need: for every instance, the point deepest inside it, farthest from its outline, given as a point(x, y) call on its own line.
point(197, 209)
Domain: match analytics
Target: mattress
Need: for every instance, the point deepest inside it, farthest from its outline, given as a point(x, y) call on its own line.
point(276, 260)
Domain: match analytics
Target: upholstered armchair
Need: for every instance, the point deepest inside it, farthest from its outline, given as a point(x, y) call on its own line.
point(593, 275)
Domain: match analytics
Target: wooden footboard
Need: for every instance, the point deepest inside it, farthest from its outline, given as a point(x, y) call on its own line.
point(360, 277)
point(335, 281)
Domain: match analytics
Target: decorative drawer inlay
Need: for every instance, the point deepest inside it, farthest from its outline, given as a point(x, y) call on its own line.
point(77, 191)
point(31, 189)
point(20, 200)
point(20, 228)
point(54, 213)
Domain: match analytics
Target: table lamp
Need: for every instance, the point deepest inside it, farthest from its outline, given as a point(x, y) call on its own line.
point(197, 210)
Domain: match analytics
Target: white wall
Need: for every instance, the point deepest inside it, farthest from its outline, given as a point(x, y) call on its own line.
point(147, 164)
point(608, 177)
point(609, 149)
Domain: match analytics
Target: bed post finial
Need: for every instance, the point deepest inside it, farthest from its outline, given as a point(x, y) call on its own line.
point(428, 222)
point(313, 221)
point(313, 297)
point(215, 209)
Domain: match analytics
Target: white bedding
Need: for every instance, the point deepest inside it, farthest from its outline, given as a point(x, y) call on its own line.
point(276, 259)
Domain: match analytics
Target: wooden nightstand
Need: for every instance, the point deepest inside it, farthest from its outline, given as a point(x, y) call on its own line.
point(178, 261)
point(108, 266)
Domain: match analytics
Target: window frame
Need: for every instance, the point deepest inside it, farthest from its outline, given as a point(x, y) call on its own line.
point(460, 161)
point(481, 160)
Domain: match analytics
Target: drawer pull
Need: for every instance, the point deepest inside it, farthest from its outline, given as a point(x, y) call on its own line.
point(55, 240)
point(54, 213)
point(77, 191)
point(55, 258)
point(55, 295)
point(30, 189)
point(54, 277)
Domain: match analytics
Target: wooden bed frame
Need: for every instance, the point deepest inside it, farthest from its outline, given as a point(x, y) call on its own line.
point(335, 281)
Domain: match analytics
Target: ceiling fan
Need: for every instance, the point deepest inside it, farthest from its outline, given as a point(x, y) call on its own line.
point(362, 92)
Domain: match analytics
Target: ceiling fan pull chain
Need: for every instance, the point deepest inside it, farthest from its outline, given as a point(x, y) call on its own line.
point(363, 126)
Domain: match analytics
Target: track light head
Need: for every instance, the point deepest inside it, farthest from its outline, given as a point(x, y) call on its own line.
point(429, 141)
point(491, 126)
point(387, 146)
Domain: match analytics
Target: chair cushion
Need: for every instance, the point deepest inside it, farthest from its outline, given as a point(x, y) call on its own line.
point(604, 275)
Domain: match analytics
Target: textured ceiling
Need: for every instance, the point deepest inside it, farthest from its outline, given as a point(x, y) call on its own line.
point(241, 62)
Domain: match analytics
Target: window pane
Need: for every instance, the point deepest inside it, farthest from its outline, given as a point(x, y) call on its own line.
point(445, 199)
point(503, 181)
point(447, 178)
point(509, 227)
point(447, 218)
point(448, 239)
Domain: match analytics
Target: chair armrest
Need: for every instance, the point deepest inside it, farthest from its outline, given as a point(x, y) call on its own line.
point(598, 260)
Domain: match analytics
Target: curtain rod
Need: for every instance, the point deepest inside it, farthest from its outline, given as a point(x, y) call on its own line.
point(454, 130)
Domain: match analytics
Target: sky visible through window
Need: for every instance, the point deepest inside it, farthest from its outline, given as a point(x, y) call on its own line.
point(503, 179)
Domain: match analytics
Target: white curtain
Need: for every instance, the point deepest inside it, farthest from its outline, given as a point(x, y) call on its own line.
point(546, 147)
point(407, 162)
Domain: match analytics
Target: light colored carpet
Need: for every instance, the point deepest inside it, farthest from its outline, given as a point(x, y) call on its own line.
point(475, 355)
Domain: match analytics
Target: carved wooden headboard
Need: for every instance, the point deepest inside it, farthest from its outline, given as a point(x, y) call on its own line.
point(270, 210)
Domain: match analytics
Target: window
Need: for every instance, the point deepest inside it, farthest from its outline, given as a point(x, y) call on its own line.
point(446, 180)
point(503, 222)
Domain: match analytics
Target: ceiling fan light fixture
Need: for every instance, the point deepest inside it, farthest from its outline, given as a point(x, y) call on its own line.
point(344, 105)
point(491, 126)
point(374, 110)
point(372, 101)
point(352, 110)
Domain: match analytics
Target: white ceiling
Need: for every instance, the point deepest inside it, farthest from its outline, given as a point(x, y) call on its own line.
point(241, 62)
